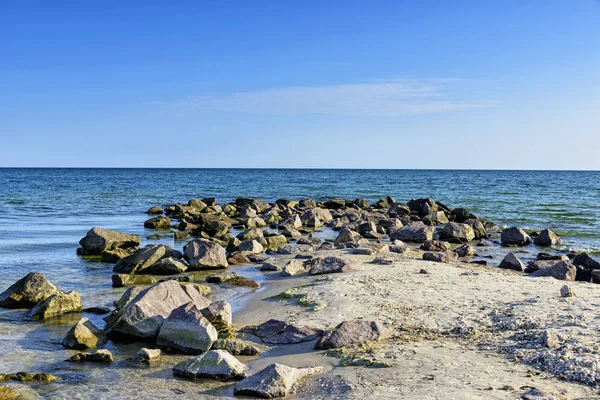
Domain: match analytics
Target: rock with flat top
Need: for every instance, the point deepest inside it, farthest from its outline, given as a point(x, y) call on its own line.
point(329, 265)
point(147, 356)
point(99, 239)
point(441, 256)
point(56, 305)
point(455, 232)
point(98, 356)
point(413, 233)
point(141, 260)
point(214, 364)
point(354, 332)
point(275, 381)
point(28, 291)
point(514, 237)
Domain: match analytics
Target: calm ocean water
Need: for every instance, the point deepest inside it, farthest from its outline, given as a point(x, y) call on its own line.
point(46, 211)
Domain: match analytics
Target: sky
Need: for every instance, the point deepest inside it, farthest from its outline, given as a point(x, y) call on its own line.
point(504, 84)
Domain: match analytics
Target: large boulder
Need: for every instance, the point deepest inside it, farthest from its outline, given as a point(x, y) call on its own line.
point(204, 254)
point(547, 238)
point(83, 335)
point(280, 332)
point(414, 233)
point(99, 239)
point(56, 305)
point(215, 364)
point(187, 330)
point(139, 261)
point(457, 233)
point(161, 222)
point(167, 266)
point(28, 291)
point(514, 237)
point(275, 242)
point(329, 265)
point(345, 236)
point(143, 316)
point(584, 260)
point(354, 332)
point(511, 261)
point(251, 246)
point(422, 207)
point(275, 381)
point(563, 270)
point(316, 217)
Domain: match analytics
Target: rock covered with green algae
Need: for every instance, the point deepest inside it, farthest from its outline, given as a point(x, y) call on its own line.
point(84, 334)
point(214, 364)
point(57, 305)
point(98, 356)
point(99, 239)
point(29, 377)
point(236, 347)
point(28, 291)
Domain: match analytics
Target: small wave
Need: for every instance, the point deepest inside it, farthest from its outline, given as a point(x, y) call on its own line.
point(16, 202)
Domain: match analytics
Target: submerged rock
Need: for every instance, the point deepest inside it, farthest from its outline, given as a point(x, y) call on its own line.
point(29, 377)
point(354, 332)
point(214, 364)
point(276, 380)
point(158, 223)
point(236, 347)
point(204, 254)
point(99, 239)
point(187, 330)
point(98, 356)
point(56, 305)
point(83, 335)
point(147, 356)
point(121, 280)
point(233, 279)
point(329, 265)
point(28, 291)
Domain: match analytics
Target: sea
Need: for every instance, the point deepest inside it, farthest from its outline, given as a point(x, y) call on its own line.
point(44, 212)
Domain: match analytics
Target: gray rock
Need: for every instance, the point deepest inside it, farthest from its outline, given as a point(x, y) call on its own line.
point(56, 305)
point(466, 250)
point(413, 233)
point(280, 332)
point(478, 228)
point(144, 315)
point(274, 242)
point(121, 280)
point(236, 347)
point(294, 267)
point(345, 236)
point(251, 246)
point(329, 265)
point(457, 233)
point(563, 270)
point(290, 223)
point(139, 261)
point(566, 291)
point(441, 256)
point(28, 291)
point(511, 261)
point(276, 380)
point(99, 239)
point(147, 356)
point(218, 313)
point(204, 254)
point(214, 364)
point(355, 332)
point(547, 238)
point(187, 330)
point(316, 217)
point(98, 356)
point(270, 266)
point(167, 266)
point(514, 237)
point(436, 245)
point(83, 335)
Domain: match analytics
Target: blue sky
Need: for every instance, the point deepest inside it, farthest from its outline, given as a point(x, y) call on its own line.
point(336, 84)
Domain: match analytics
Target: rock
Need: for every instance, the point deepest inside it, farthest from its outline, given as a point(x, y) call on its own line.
point(114, 255)
point(127, 296)
point(121, 280)
point(345, 236)
point(155, 210)
point(514, 237)
point(478, 228)
point(274, 242)
point(294, 267)
point(56, 305)
point(139, 261)
point(316, 217)
point(329, 265)
point(290, 223)
point(236, 347)
point(583, 260)
point(255, 222)
point(147, 356)
point(361, 203)
point(563, 270)
point(161, 222)
point(399, 210)
point(441, 256)
point(460, 215)
point(219, 314)
point(217, 228)
point(270, 266)
point(83, 335)
point(29, 377)
point(8, 393)
point(566, 291)
point(436, 245)
point(436, 218)
point(238, 258)
point(276, 380)
point(98, 356)
point(414, 233)
point(187, 330)
point(251, 246)
point(28, 291)
point(547, 238)
point(351, 333)
point(423, 271)
point(99, 239)
point(466, 250)
point(167, 266)
point(457, 233)
point(204, 254)
point(144, 315)
point(215, 364)
point(233, 279)
point(511, 261)
point(279, 332)
point(550, 338)
point(422, 207)
point(97, 310)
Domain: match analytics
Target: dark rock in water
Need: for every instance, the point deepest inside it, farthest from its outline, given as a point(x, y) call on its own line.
point(307, 203)
point(583, 274)
point(99, 239)
point(280, 332)
point(586, 261)
point(436, 245)
point(511, 261)
point(270, 266)
point(329, 265)
point(155, 210)
point(114, 255)
point(361, 203)
point(548, 257)
point(187, 330)
point(233, 279)
point(139, 261)
point(460, 215)
point(351, 333)
point(214, 364)
point(251, 247)
point(121, 280)
point(435, 218)
point(441, 256)
point(478, 228)
point(290, 223)
point(158, 223)
point(457, 233)
point(547, 238)
point(217, 228)
point(98, 356)
point(345, 236)
point(56, 305)
point(28, 377)
point(143, 316)
point(83, 335)
point(335, 204)
point(236, 347)
point(414, 233)
point(256, 258)
point(210, 201)
point(399, 210)
point(478, 262)
point(204, 254)
point(28, 291)
point(514, 237)
point(422, 206)
point(466, 250)
point(147, 356)
point(97, 310)
point(275, 381)
point(563, 270)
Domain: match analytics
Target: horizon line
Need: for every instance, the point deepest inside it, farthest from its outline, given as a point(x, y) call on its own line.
point(313, 168)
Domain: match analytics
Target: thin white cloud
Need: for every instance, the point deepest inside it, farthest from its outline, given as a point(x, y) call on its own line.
point(382, 99)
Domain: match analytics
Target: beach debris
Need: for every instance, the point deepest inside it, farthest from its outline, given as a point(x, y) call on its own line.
point(354, 332)
point(147, 356)
point(236, 347)
point(28, 291)
point(98, 240)
point(204, 254)
point(547, 238)
point(329, 265)
point(275, 381)
point(440, 256)
point(214, 364)
point(187, 330)
point(514, 236)
point(563, 270)
point(56, 305)
point(83, 335)
point(566, 291)
point(511, 261)
point(550, 338)
point(98, 356)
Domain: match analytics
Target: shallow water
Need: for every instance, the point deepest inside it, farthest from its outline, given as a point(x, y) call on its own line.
point(46, 211)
